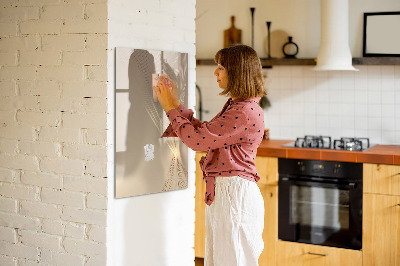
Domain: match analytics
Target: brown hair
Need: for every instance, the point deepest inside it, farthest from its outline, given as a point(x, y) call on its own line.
point(245, 78)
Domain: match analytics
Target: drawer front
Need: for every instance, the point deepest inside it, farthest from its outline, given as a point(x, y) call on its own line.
point(381, 179)
point(294, 254)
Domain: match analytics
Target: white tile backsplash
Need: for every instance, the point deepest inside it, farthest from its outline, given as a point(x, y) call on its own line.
point(364, 103)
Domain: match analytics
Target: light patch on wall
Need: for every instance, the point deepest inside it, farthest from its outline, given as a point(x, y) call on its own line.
point(140, 122)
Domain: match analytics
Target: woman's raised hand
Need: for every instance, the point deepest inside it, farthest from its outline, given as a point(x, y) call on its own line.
point(174, 90)
point(165, 93)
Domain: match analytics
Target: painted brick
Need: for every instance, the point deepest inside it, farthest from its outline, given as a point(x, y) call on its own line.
point(84, 216)
point(97, 11)
point(8, 58)
point(30, 103)
point(98, 121)
point(62, 166)
point(97, 42)
point(63, 197)
point(39, 118)
point(40, 148)
point(41, 179)
point(96, 168)
point(7, 88)
point(7, 175)
point(19, 43)
point(73, 104)
point(17, 161)
point(16, 132)
point(97, 234)
point(19, 221)
point(67, 135)
point(87, 88)
point(60, 73)
point(30, 2)
point(99, 260)
point(94, 201)
point(85, 152)
point(61, 259)
point(98, 73)
point(86, 184)
point(18, 250)
point(62, 12)
point(18, 191)
point(94, 136)
point(7, 117)
point(75, 230)
point(40, 27)
point(8, 261)
point(8, 205)
point(84, 247)
point(84, 26)
point(53, 227)
point(89, 57)
point(38, 209)
point(19, 13)
point(8, 234)
point(39, 87)
point(34, 239)
point(25, 262)
point(18, 72)
point(8, 146)
point(68, 42)
point(39, 58)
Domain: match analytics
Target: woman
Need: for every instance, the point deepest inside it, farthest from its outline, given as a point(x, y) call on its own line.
point(235, 207)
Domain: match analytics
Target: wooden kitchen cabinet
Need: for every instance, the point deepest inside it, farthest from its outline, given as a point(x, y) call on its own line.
point(381, 215)
point(200, 207)
point(267, 167)
point(381, 179)
point(298, 254)
point(381, 230)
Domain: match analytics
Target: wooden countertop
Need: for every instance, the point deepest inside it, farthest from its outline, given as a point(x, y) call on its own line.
point(379, 154)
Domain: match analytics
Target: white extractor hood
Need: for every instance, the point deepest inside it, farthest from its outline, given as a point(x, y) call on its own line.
point(334, 52)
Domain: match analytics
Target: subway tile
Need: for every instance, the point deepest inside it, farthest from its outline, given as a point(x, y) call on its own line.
point(374, 110)
point(388, 124)
point(388, 97)
point(374, 97)
point(388, 110)
point(360, 124)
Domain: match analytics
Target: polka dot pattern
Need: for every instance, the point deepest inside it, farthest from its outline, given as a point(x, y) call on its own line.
point(231, 139)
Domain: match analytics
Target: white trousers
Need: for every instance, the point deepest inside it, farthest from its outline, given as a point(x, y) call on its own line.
point(234, 223)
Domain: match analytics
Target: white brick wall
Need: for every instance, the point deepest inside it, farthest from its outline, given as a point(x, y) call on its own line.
point(53, 107)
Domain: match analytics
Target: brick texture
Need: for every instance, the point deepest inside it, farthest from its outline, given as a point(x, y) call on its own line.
point(53, 109)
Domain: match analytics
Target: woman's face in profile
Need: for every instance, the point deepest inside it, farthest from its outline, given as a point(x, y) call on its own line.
point(222, 76)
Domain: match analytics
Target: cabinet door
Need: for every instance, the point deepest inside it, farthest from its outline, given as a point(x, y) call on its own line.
point(200, 207)
point(381, 179)
point(267, 168)
point(297, 254)
point(270, 233)
point(381, 230)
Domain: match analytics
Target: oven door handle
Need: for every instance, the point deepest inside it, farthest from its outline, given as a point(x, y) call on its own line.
point(330, 184)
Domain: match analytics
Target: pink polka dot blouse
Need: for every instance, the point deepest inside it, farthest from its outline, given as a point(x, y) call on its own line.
point(231, 139)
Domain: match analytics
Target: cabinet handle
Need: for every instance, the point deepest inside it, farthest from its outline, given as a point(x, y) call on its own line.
point(318, 254)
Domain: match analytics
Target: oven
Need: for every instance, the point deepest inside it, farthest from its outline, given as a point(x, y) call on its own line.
point(320, 202)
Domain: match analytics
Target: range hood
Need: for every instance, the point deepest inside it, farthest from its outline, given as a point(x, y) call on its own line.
point(334, 51)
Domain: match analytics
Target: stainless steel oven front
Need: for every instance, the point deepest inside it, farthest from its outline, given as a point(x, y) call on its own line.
point(320, 202)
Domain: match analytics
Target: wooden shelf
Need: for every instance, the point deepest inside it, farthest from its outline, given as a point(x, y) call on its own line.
point(312, 61)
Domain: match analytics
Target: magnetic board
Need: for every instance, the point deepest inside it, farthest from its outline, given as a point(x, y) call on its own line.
point(145, 163)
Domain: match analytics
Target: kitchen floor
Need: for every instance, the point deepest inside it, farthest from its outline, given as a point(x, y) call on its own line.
point(198, 262)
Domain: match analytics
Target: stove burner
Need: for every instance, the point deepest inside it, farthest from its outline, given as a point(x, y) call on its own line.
point(351, 144)
point(308, 141)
